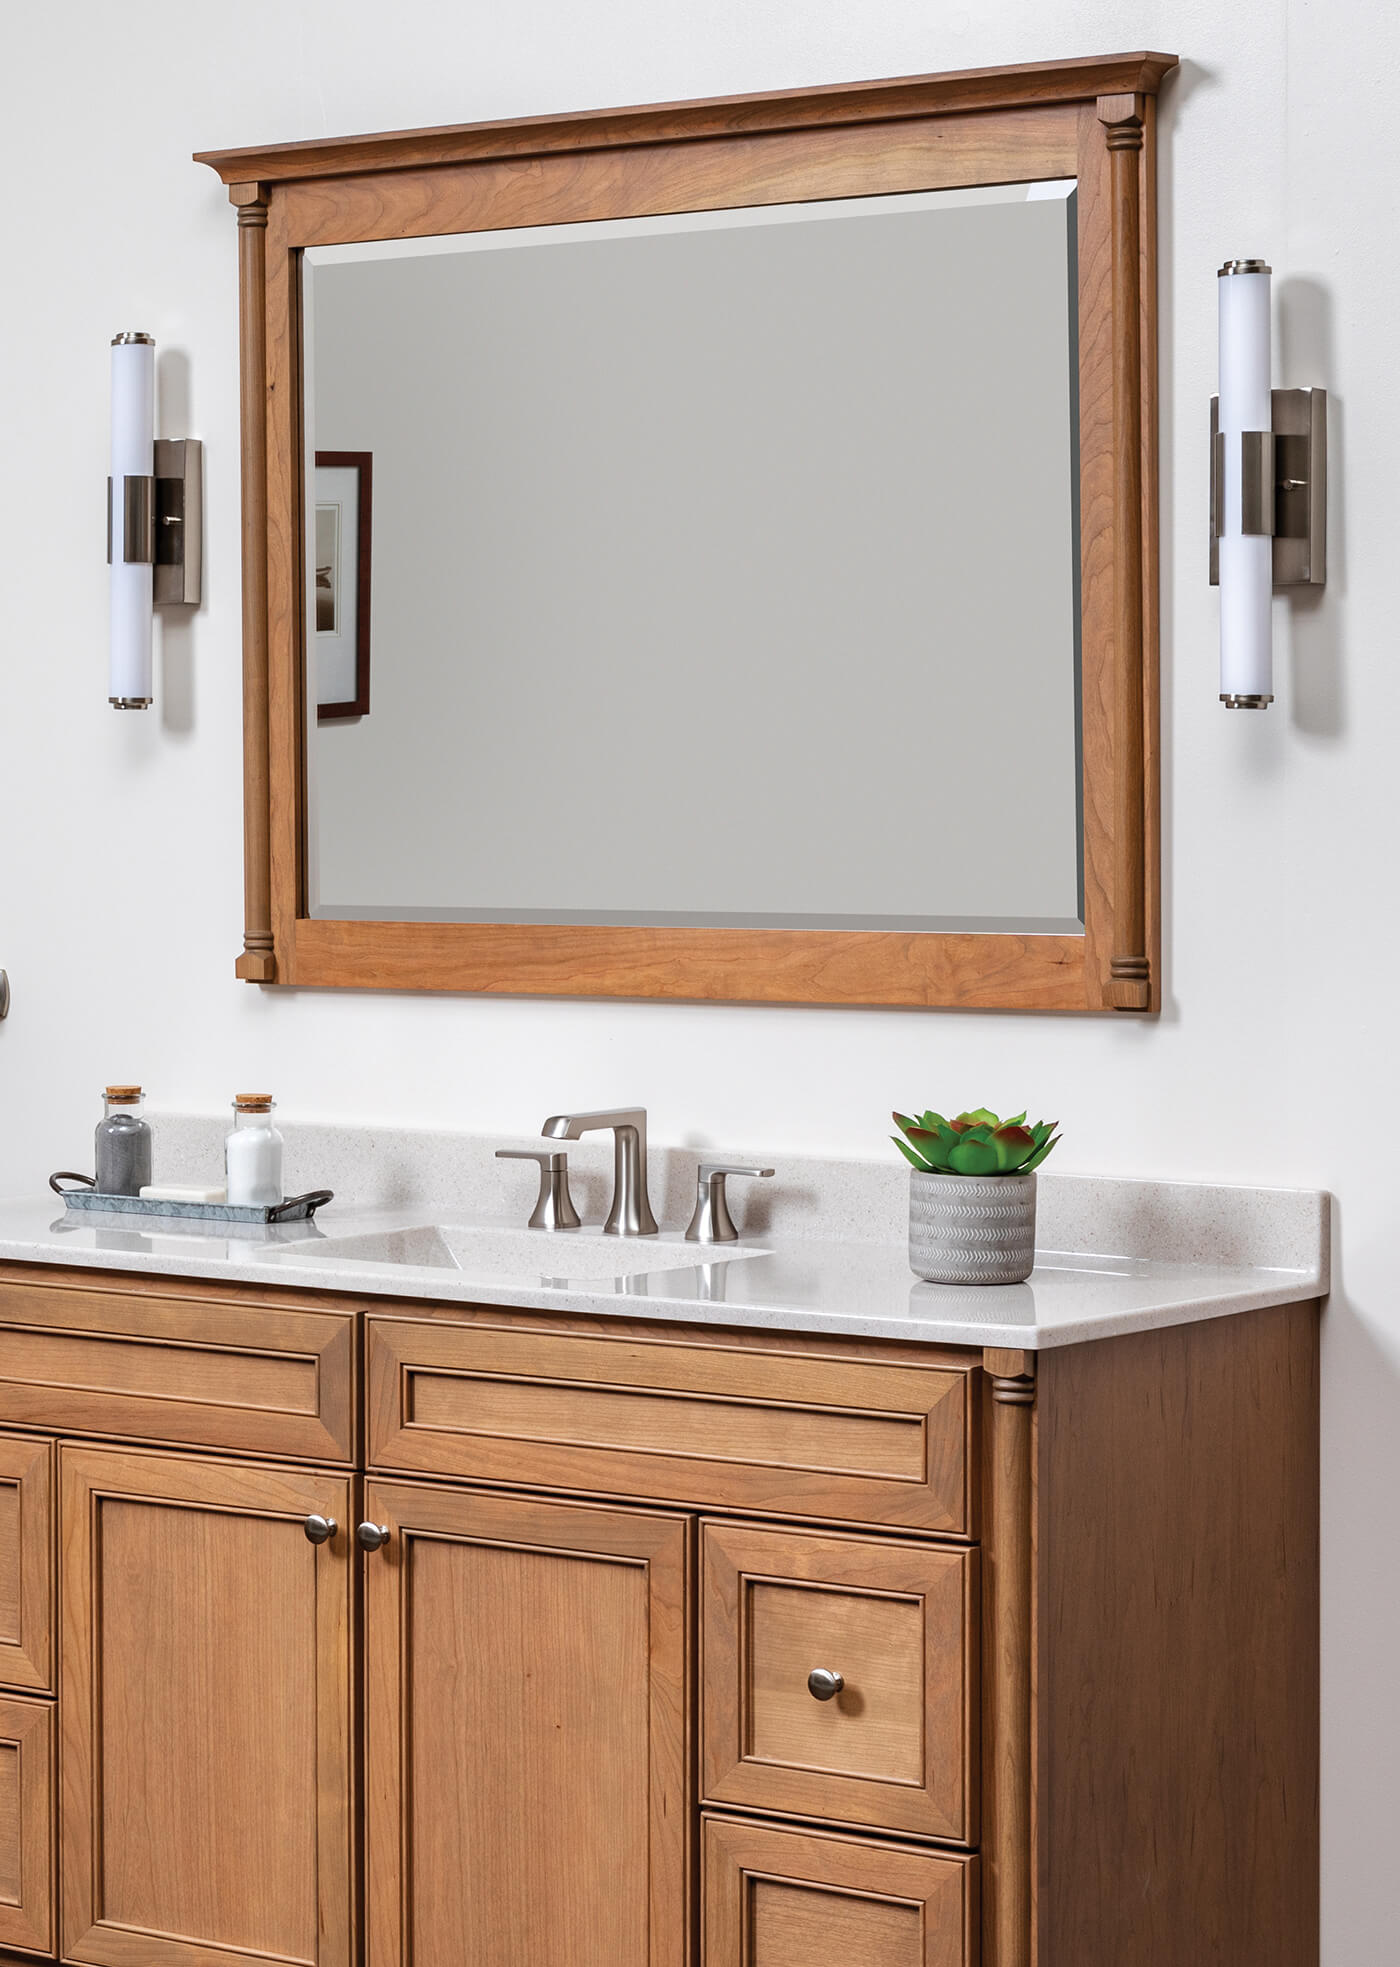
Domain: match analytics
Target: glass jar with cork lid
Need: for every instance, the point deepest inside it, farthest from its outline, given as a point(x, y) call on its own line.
point(253, 1153)
point(123, 1143)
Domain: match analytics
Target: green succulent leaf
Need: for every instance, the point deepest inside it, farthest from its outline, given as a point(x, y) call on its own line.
point(934, 1145)
point(903, 1122)
point(1016, 1120)
point(915, 1160)
point(980, 1116)
point(932, 1119)
point(1013, 1144)
point(1039, 1155)
point(973, 1157)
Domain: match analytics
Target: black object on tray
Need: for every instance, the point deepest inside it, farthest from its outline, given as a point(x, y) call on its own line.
point(85, 1197)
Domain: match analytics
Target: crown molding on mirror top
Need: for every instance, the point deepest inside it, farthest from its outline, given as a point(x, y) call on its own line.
point(1093, 119)
point(827, 106)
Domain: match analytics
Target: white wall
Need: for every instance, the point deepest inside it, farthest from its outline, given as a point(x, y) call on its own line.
point(120, 885)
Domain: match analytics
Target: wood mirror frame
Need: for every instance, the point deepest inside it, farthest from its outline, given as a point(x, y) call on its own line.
point(1093, 120)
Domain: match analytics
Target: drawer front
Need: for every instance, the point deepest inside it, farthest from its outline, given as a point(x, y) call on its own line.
point(26, 1825)
point(177, 1366)
point(788, 1898)
point(894, 1747)
point(26, 1562)
point(776, 1430)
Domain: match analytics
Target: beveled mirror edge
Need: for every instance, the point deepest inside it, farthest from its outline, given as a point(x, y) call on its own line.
point(1115, 965)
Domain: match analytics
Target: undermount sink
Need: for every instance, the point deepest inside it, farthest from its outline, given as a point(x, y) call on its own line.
point(578, 1254)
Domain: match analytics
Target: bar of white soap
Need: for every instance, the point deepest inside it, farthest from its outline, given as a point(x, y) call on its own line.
point(156, 1193)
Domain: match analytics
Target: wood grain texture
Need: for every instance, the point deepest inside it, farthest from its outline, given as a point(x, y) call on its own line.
point(26, 1824)
point(787, 1898)
point(924, 132)
point(933, 155)
point(528, 1766)
point(1008, 1656)
point(1028, 83)
point(896, 1748)
point(1129, 986)
point(205, 1713)
point(176, 1361)
point(783, 1428)
point(27, 1540)
point(1177, 1647)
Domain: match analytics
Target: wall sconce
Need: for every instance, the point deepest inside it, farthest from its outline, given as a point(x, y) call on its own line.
point(1268, 487)
point(154, 520)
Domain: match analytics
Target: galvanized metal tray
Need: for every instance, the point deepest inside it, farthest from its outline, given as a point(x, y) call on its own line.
point(83, 1197)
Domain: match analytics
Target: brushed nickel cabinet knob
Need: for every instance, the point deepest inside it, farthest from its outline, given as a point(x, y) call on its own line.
point(319, 1529)
point(372, 1536)
point(823, 1685)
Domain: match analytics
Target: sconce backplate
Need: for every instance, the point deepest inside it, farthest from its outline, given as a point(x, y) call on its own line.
point(1293, 456)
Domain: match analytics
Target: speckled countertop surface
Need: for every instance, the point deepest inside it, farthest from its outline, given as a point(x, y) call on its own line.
point(1113, 1256)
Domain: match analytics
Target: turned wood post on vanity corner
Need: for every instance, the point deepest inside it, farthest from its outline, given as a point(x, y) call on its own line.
point(1008, 1838)
point(257, 964)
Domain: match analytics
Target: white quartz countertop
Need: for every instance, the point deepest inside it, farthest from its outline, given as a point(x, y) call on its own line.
point(1119, 1257)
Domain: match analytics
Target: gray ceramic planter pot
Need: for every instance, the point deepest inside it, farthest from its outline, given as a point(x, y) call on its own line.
point(971, 1229)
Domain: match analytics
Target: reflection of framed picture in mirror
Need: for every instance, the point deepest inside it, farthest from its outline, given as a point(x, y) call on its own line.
point(341, 593)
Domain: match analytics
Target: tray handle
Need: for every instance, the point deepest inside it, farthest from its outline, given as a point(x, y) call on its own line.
point(67, 1175)
point(303, 1206)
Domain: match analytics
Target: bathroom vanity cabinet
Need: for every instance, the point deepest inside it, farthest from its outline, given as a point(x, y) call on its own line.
point(675, 1646)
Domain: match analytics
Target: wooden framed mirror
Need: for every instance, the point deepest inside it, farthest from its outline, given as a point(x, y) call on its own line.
point(768, 612)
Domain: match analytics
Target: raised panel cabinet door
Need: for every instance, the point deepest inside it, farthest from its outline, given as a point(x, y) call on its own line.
point(528, 1797)
point(26, 1562)
point(778, 1897)
point(26, 1825)
point(204, 1689)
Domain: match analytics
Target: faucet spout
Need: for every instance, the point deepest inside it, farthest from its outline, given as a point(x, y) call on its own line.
point(630, 1214)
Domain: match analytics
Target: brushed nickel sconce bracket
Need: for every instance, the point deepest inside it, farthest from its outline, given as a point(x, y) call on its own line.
point(163, 517)
point(1283, 486)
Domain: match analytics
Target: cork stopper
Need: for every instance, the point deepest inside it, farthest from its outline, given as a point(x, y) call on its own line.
point(253, 1102)
point(123, 1095)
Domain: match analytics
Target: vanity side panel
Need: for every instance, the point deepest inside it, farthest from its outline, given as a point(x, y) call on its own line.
point(1177, 1645)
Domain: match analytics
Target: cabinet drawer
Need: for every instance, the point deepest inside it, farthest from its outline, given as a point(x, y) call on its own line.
point(192, 1365)
point(778, 1429)
point(26, 1825)
point(789, 1898)
point(26, 1562)
point(894, 1747)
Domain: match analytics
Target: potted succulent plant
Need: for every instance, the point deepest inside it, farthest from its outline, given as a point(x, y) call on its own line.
point(972, 1194)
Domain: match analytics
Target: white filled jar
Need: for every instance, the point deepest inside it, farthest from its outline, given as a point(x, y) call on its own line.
point(253, 1154)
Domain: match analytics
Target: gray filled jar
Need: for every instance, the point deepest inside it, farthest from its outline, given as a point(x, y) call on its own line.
point(123, 1143)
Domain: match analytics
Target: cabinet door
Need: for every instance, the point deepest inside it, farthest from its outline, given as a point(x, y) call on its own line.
point(788, 1898)
point(528, 1798)
point(26, 1561)
point(204, 1678)
point(26, 1825)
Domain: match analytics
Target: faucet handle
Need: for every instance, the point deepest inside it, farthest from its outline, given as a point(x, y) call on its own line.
point(554, 1206)
point(712, 1222)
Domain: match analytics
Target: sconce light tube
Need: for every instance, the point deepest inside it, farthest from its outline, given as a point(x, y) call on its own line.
point(131, 509)
point(1246, 550)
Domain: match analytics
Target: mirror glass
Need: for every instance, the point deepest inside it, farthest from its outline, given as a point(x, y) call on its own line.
point(719, 568)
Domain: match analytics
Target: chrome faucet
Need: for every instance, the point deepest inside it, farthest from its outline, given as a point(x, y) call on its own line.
point(630, 1214)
